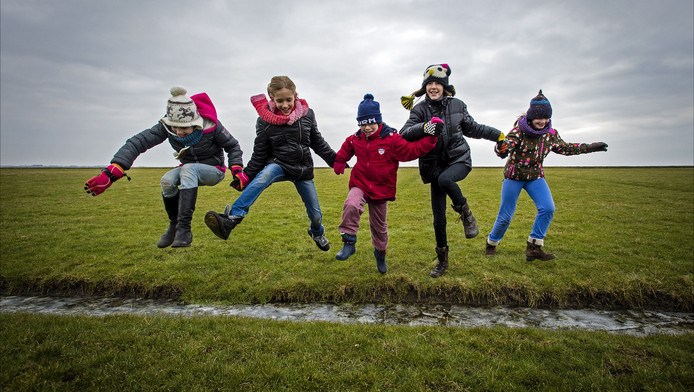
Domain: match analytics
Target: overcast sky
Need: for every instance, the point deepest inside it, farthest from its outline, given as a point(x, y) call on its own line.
point(79, 77)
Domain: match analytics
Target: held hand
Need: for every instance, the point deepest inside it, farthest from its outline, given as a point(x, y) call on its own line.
point(434, 126)
point(98, 184)
point(501, 149)
point(598, 146)
point(339, 167)
point(240, 178)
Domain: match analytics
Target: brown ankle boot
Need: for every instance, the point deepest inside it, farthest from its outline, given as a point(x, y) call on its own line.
point(534, 251)
point(469, 221)
point(489, 249)
point(442, 264)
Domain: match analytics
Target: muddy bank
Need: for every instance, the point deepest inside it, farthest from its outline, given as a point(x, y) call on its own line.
point(399, 292)
point(630, 322)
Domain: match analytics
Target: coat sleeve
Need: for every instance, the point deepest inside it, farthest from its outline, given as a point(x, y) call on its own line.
point(414, 126)
point(407, 151)
point(230, 145)
point(261, 150)
point(475, 130)
point(346, 151)
point(318, 143)
point(559, 146)
point(136, 145)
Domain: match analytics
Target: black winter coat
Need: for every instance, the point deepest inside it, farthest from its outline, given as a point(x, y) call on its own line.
point(452, 147)
point(209, 150)
point(290, 147)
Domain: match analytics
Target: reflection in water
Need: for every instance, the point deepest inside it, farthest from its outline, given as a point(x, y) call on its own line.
point(631, 322)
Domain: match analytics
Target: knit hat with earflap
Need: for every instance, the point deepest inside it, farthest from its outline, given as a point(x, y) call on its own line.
point(369, 111)
point(434, 73)
point(539, 108)
point(181, 110)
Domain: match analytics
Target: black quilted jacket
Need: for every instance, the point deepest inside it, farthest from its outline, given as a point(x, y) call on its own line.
point(290, 147)
point(452, 147)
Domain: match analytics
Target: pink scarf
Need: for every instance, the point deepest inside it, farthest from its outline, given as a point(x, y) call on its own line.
point(269, 113)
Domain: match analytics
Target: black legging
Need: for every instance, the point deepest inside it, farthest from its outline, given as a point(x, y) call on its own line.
point(446, 185)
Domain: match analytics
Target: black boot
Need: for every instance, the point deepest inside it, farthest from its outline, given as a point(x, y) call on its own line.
point(442, 264)
point(380, 256)
point(186, 207)
point(222, 224)
point(171, 207)
point(534, 251)
point(348, 247)
point(469, 221)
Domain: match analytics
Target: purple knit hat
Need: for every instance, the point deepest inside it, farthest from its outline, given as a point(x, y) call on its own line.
point(539, 107)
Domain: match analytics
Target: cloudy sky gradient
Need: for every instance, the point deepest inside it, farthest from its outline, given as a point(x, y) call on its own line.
point(79, 77)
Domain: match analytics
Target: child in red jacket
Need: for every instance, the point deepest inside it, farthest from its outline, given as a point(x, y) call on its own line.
point(379, 150)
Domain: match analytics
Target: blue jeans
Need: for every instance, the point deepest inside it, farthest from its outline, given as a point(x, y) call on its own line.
point(538, 190)
point(273, 173)
point(188, 176)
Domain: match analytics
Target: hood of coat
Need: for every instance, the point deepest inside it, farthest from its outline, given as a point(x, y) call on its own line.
point(206, 109)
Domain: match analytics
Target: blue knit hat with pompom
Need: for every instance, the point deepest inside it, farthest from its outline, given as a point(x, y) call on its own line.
point(369, 111)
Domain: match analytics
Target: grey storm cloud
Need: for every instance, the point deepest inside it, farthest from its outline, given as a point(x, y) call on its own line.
point(80, 77)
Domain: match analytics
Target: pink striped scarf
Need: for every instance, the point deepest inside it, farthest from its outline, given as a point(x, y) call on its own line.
point(269, 112)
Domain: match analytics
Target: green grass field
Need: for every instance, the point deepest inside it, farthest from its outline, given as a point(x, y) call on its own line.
point(624, 238)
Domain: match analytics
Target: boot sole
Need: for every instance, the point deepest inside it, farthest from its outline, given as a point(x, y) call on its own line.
point(213, 223)
point(537, 258)
point(343, 258)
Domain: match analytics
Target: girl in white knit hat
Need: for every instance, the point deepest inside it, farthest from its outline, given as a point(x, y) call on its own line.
point(199, 141)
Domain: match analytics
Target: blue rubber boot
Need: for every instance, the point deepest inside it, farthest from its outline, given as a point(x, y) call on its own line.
point(380, 260)
point(348, 248)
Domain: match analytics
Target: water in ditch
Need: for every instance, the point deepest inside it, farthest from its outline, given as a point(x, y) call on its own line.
point(630, 322)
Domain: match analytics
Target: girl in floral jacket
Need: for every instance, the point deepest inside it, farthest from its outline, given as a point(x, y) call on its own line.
point(526, 147)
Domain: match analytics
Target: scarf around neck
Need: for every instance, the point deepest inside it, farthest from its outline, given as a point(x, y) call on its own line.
point(529, 130)
point(272, 115)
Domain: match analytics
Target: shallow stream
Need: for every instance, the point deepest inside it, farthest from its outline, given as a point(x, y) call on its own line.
point(630, 322)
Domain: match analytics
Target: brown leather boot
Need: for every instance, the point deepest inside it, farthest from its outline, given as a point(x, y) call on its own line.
point(489, 249)
point(535, 252)
point(442, 264)
point(469, 221)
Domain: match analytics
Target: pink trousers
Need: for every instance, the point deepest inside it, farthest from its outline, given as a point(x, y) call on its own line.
point(378, 211)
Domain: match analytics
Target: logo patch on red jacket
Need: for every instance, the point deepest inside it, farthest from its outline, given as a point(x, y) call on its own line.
point(381, 151)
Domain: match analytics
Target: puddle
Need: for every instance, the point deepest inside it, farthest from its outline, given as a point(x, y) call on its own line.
point(630, 322)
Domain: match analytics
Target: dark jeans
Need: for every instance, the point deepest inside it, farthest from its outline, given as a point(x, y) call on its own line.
point(446, 185)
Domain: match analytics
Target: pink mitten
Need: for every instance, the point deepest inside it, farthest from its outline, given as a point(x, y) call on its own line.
point(339, 167)
point(98, 184)
point(240, 178)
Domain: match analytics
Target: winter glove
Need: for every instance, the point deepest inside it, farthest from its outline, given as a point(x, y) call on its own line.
point(339, 167)
point(598, 146)
point(434, 126)
point(98, 184)
point(240, 178)
point(501, 148)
